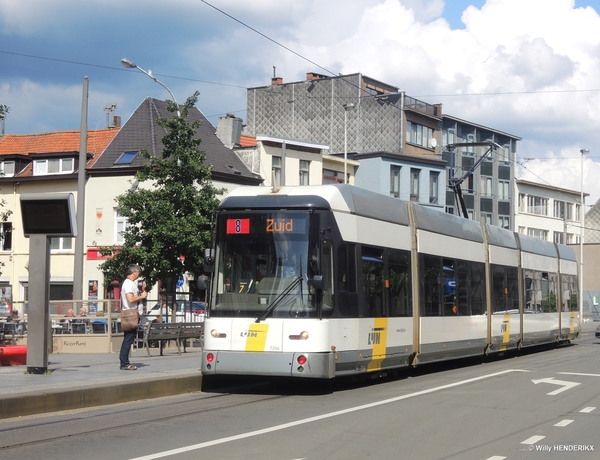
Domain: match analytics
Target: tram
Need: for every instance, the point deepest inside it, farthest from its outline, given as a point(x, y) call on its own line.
point(333, 280)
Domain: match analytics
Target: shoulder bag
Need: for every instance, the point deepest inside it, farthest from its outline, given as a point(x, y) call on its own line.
point(129, 319)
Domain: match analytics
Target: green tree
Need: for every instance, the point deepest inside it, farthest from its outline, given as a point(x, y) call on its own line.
point(170, 218)
point(3, 111)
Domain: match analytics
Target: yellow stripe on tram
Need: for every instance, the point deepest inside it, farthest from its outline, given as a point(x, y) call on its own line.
point(378, 339)
point(572, 328)
point(505, 332)
point(257, 337)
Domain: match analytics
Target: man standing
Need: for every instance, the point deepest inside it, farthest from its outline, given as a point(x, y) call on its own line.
point(130, 296)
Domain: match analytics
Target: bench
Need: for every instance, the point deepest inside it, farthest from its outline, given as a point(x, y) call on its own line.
point(171, 331)
point(190, 331)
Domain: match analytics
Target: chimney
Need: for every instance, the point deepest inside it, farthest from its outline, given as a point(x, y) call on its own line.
point(116, 121)
point(314, 76)
point(276, 80)
point(229, 130)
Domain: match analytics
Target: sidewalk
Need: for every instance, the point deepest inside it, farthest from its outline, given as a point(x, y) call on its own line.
point(76, 381)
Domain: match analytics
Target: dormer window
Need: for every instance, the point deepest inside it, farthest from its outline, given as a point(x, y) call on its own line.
point(53, 166)
point(7, 168)
point(126, 158)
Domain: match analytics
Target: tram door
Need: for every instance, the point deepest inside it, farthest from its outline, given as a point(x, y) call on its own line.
point(373, 282)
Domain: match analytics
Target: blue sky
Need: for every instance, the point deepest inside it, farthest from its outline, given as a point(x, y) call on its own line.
point(527, 67)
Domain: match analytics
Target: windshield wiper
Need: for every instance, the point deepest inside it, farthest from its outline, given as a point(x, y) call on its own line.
point(277, 300)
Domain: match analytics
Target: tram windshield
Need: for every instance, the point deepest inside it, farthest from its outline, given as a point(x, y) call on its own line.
point(262, 266)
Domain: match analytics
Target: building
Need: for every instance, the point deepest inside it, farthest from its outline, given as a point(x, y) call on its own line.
point(49, 163)
point(398, 139)
point(548, 213)
point(488, 187)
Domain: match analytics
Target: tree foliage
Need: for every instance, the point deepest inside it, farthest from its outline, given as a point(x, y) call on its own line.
point(3, 111)
point(170, 207)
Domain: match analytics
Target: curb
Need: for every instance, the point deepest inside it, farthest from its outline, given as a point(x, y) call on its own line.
point(93, 396)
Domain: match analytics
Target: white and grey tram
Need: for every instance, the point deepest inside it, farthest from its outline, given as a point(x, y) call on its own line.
point(333, 280)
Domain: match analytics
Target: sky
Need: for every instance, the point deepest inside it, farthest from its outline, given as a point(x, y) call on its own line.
point(530, 68)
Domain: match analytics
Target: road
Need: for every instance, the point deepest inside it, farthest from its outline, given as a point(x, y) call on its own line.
point(534, 405)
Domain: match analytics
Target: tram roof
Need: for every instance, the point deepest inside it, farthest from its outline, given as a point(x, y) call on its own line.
point(336, 197)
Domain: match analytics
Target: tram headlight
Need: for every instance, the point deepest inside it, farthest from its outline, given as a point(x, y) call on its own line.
point(302, 336)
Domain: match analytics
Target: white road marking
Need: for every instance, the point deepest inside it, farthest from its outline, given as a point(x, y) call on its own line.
point(284, 426)
point(533, 439)
point(587, 410)
point(566, 385)
point(564, 422)
point(496, 457)
point(579, 373)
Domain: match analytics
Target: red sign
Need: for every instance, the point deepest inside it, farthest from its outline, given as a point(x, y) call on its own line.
point(238, 226)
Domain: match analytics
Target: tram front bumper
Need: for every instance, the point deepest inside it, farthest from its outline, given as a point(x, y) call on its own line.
point(306, 365)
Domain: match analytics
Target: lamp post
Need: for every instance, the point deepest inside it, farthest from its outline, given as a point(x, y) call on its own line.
point(347, 107)
point(130, 65)
point(581, 233)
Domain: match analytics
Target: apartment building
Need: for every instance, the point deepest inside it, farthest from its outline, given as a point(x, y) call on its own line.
point(399, 141)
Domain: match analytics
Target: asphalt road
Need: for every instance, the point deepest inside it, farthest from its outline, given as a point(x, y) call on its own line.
point(534, 405)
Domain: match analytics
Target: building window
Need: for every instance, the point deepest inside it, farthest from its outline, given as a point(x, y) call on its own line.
point(486, 218)
point(61, 244)
point(559, 209)
point(434, 181)
point(569, 211)
point(7, 168)
point(53, 166)
point(418, 134)
point(5, 236)
point(504, 190)
point(535, 205)
point(276, 168)
point(126, 158)
point(448, 136)
point(504, 222)
point(538, 233)
point(468, 137)
point(559, 237)
point(395, 181)
point(450, 210)
point(304, 170)
point(121, 226)
point(333, 177)
point(486, 186)
point(414, 184)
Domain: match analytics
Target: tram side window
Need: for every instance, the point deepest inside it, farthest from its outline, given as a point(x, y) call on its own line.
point(346, 297)
point(505, 291)
point(540, 291)
point(346, 268)
point(499, 301)
point(431, 296)
point(373, 282)
point(400, 290)
point(326, 271)
point(550, 289)
point(477, 288)
point(569, 293)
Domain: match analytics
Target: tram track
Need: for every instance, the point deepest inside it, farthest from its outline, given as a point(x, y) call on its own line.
point(30, 432)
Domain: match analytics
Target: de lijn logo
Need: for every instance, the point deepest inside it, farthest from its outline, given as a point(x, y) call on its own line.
point(375, 336)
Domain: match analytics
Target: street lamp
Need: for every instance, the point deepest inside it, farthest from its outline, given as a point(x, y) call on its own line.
point(130, 65)
point(347, 107)
point(581, 233)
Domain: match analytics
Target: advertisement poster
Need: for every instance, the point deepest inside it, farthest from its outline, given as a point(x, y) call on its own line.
point(93, 295)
